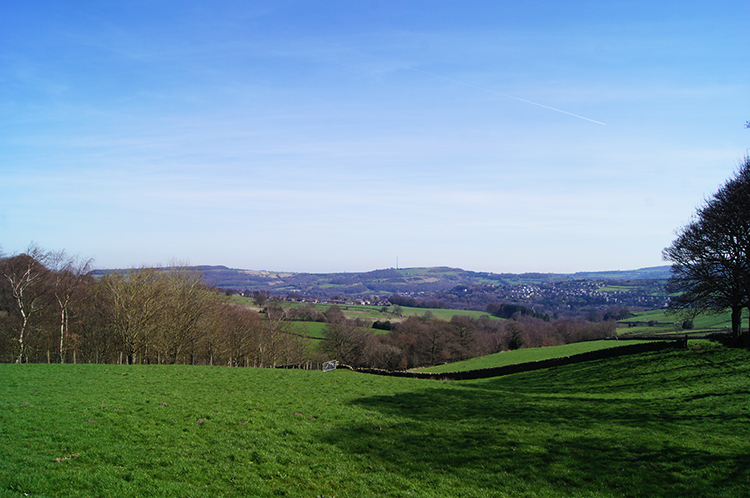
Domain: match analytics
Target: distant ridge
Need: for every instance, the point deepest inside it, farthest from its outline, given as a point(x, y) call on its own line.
point(391, 281)
point(653, 272)
point(555, 294)
point(402, 280)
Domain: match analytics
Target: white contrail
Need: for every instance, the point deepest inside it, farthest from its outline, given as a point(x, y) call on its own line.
point(370, 56)
point(505, 95)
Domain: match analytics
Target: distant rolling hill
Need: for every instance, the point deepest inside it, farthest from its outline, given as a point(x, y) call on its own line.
point(403, 280)
point(442, 287)
point(392, 281)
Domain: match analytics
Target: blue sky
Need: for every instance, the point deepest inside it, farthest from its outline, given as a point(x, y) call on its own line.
point(339, 136)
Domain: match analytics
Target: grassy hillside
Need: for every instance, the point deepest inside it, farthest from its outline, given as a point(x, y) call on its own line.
point(373, 313)
point(526, 355)
point(662, 424)
point(314, 330)
point(660, 321)
point(393, 281)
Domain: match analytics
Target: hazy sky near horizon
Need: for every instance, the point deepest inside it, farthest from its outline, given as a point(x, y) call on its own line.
point(343, 136)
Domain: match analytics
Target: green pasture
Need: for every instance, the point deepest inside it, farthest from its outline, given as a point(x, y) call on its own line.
point(373, 313)
point(526, 355)
point(665, 322)
point(314, 330)
point(615, 288)
point(363, 312)
point(247, 301)
point(660, 424)
point(447, 314)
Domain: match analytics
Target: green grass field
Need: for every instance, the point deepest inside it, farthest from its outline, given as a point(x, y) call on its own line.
point(614, 288)
point(670, 323)
point(661, 424)
point(447, 314)
point(526, 355)
point(373, 313)
point(314, 330)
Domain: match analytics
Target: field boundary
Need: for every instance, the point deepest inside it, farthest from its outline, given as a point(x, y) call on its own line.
point(484, 373)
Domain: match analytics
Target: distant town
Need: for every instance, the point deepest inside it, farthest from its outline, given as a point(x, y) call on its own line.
point(557, 295)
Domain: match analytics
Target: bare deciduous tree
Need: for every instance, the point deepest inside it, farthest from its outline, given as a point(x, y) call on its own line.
point(711, 255)
point(185, 302)
point(26, 276)
point(68, 274)
point(134, 300)
point(345, 342)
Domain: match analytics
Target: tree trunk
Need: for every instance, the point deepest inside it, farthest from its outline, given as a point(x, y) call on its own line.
point(736, 322)
point(21, 336)
point(63, 322)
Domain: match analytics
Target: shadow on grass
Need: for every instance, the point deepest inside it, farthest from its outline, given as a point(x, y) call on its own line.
point(584, 429)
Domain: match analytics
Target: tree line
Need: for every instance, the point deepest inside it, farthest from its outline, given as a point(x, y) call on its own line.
point(52, 308)
point(509, 310)
point(411, 302)
point(420, 341)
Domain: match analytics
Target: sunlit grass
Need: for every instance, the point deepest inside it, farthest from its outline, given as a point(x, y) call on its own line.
point(526, 355)
point(664, 424)
point(313, 330)
point(664, 322)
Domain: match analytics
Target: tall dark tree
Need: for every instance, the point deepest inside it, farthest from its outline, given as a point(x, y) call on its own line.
point(711, 255)
point(464, 332)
